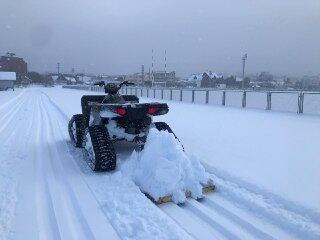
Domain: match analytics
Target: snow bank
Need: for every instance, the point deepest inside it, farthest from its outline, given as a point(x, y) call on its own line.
point(163, 168)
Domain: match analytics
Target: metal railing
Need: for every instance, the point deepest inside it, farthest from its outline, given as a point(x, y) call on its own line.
point(288, 101)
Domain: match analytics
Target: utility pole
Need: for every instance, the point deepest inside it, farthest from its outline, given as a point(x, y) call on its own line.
point(165, 62)
point(142, 73)
point(152, 76)
point(58, 66)
point(244, 58)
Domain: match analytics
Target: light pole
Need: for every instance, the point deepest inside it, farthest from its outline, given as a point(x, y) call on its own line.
point(244, 58)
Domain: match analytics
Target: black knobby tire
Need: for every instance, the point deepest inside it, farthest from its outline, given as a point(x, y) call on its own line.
point(76, 130)
point(99, 151)
point(162, 126)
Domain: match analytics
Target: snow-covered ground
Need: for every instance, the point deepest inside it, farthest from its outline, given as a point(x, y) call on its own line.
point(265, 166)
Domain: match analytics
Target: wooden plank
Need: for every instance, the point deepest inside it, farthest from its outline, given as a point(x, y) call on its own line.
point(205, 189)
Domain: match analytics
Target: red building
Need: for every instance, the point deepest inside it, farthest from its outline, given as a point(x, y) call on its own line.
point(10, 63)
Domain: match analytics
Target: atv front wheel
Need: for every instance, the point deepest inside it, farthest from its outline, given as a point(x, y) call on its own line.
point(75, 128)
point(98, 149)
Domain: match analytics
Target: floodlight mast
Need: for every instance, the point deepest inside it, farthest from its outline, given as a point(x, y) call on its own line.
point(244, 58)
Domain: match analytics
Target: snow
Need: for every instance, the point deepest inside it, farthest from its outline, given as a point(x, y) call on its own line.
point(273, 152)
point(49, 192)
point(265, 166)
point(163, 173)
point(7, 76)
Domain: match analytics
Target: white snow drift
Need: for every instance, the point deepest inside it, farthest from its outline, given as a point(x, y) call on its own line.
point(163, 168)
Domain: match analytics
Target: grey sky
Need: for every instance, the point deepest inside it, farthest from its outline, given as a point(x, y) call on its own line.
point(116, 36)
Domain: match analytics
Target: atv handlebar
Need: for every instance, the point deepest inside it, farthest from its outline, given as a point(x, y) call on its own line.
point(112, 88)
point(126, 83)
point(100, 84)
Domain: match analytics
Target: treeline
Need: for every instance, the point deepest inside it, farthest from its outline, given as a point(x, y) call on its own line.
point(230, 82)
point(43, 79)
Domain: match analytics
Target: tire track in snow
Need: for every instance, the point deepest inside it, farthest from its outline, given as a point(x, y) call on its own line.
point(227, 220)
point(261, 228)
point(87, 220)
point(70, 222)
point(9, 115)
point(10, 166)
point(294, 224)
point(47, 220)
point(6, 104)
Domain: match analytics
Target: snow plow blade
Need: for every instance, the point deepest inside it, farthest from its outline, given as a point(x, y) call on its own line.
point(205, 189)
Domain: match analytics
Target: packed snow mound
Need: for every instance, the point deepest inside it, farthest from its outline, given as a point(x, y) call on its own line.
point(162, 168)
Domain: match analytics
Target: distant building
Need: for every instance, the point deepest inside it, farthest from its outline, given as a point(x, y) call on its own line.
point(85, 79)
point(60, 79)
point(7, 80)
point(137, 78)
point(197, 78)
point(66, 79)
point(158, 77)
point(163, 76)
point(11, 63)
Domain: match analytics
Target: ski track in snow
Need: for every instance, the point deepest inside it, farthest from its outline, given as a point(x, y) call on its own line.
point(9, 169)
point(57, 196)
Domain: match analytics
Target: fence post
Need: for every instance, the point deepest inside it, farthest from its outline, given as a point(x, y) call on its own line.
point(171, 94)
point(154, 93)
point(268, 100)
point(244, 99)
point(300, 102)
point(162, 93)
point(141, 92)
point(192, 99)
point(207, 97)
point(147, 92)
point(180, 95)
point(223, 98)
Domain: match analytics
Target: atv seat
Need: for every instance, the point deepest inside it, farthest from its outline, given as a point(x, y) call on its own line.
point(130, 98)
point(99, 99)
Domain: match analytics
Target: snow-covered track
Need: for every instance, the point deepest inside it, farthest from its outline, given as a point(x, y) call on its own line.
point(64, 206)
point(61, 198)
point(218, 216)
point(235, 213)
point(11, 156)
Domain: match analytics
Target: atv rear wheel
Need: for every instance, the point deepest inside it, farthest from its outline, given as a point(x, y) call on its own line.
point(98, 149)
point(75, 128)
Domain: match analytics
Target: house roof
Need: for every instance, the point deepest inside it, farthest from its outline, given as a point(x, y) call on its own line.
point(198, 77)
point(71, 79)
point(8, 76)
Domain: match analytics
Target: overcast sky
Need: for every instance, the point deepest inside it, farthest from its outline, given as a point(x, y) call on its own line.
point(117, 36)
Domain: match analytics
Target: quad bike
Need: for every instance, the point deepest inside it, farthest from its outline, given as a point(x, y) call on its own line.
point(109, 118)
